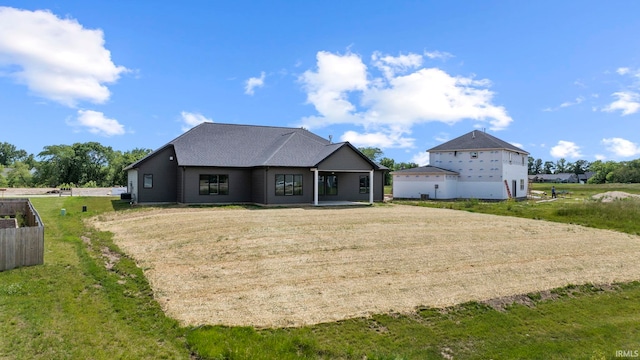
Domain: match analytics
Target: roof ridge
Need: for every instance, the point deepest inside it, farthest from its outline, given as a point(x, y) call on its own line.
point(289, 136)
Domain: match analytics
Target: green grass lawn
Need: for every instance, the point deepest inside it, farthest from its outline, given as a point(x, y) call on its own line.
point(72, 307)
point(575, 208)
point(91, 301)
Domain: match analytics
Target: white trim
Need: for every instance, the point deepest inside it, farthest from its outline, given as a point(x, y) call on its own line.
point(371, 186)
point(315, 187)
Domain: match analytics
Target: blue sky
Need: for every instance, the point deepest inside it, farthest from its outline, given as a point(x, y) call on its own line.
point(561, 79)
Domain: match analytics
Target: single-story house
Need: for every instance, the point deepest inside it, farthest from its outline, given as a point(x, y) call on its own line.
point(474, 165)
point(227, 163)
point(570, 178)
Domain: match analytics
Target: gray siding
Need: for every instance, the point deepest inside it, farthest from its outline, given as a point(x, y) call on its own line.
point(345, 159)
point(349, 187)
point(239, 185)
point(164, 171)
point(252, 184)
point(259, 185)
point(378, 185)
point(180, 184)
point(307, 186)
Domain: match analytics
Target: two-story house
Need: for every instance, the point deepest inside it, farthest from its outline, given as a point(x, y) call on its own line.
point(475, 165)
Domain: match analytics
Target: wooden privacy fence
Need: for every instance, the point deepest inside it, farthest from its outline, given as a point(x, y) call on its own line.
point(24, 245)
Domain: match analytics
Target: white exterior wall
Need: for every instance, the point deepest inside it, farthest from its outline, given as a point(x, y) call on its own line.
point(132, 184)
point(482, 177)
point(515, 168)
point(412, 186)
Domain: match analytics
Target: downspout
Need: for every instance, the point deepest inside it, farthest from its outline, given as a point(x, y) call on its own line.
point(183, 187)
point(266, 185)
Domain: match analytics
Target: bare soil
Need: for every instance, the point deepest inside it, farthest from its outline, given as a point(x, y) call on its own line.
point(300, 266)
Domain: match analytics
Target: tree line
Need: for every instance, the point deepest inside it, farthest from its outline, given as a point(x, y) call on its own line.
point(92, 164)
point(603, 171)
point(89, 164)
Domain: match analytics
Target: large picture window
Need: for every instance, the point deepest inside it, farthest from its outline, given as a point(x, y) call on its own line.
point(327, 185)
point(288, 184)
point(214, 184)
point(364, 184)
point(147, 181)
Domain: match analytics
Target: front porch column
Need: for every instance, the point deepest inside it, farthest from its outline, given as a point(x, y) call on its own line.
point(371, 186)
point(315, 187)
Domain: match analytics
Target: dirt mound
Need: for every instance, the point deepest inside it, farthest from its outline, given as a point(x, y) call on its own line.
point(610, 196)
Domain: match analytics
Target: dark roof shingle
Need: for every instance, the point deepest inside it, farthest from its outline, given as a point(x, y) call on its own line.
point(476, 140)
point(231, 145)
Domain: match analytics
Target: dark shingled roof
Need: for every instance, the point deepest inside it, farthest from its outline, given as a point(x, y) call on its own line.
point(428, 169)
point(476, 140)
point(232, 145)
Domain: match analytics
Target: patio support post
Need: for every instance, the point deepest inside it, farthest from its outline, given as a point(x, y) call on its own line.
point(315, 186)
point(371, 186)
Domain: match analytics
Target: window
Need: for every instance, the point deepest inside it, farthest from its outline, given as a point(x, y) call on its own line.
point(147, 181)
point(364, 184)
point(214, 184)
point(288, 184)
point(328, 184)
point(521, 184)
point(474, 154)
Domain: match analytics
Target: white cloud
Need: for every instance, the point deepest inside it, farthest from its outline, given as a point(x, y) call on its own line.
point(421, 158)
point(390, 65)
point(628, 102)
point(253, 83)
point(327, 88)
point(565, 104)
point(57, 59)
point(578, 100)
point(565, 149)
point(579, 84)
point(405, 95)
point(192, 119)
point(442, 137)
point(600, 157)
point(623, 70)
point(97, 123)
point(438, 55)
point(378, 139)
point(621, 147)
point(433, 95)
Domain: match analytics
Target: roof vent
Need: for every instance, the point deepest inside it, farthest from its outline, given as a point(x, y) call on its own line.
point(331, 139)
point(473, 134)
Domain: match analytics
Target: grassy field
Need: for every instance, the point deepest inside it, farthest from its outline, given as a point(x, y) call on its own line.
point(90, 300)
point(297, 266)
point(576, 208)
point(73, 307)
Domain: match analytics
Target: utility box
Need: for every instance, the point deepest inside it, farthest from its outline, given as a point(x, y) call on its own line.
point(424, 196)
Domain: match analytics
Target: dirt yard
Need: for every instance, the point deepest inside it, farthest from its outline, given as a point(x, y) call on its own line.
point(292, 267)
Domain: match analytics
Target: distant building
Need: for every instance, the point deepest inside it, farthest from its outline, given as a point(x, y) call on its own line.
point(569, 178)
point(475, 165)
